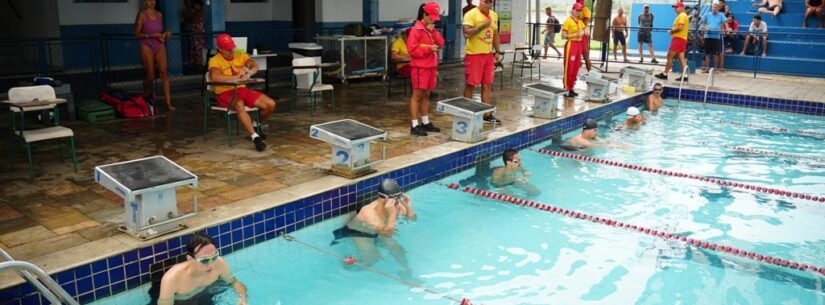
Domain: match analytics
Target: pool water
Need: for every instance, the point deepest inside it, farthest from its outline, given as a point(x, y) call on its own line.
point(465, 246)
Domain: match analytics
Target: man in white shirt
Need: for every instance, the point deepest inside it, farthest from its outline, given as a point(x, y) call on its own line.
point(758, 31)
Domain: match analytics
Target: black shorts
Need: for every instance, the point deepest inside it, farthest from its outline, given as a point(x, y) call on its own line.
point(618, 38)
point(713, 46)
point(644, 36)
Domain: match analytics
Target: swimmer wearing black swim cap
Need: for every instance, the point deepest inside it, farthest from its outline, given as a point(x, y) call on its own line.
point(589, 137)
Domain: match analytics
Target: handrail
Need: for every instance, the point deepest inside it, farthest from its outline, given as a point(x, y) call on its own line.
point(51, 290)
point(708, 84)
point(681, 83)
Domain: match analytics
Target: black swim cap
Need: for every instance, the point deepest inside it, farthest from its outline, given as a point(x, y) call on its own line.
point(389, 188)
point(590, 124)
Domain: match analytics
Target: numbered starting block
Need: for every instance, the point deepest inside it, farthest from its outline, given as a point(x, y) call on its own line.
point(147, 187)
point(600, 87)
point(548, 100)
point(468, 118)
point(639, 78)
point(350, 141)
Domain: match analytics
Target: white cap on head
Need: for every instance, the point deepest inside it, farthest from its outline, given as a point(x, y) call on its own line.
point(632, 111)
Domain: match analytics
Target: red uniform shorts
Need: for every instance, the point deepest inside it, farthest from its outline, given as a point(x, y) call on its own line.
point(423, 78)
point(678, 45)
point(479, 69)
point(247, 96)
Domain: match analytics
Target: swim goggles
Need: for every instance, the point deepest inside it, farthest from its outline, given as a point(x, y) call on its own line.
point(207, 260)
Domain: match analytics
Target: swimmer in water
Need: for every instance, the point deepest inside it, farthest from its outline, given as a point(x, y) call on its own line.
point(375, 223)
point(589, 138)
point(513, 173)
point(203, 267)
point(654, 100)
point(634, 119)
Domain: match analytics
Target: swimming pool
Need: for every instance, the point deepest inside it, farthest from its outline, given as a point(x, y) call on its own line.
point(466, 246)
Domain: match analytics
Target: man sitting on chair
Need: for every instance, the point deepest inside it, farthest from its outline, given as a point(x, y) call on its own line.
point(230, 66)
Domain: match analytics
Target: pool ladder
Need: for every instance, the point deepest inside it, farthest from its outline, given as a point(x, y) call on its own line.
point(708, 85)
point(681, 84)
point(43, 282)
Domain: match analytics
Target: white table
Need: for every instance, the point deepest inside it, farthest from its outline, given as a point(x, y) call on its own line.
point(260, 60)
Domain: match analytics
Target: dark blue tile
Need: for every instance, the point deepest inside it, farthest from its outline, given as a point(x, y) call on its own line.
point(84, 285)
point(69, 287)
point(99, 266)
point(145, 252)
point(132, 270)
point(145, 265)
point(82, 271)
point(236, 224)
point(257, 217)
point(86, 298)
point(102, 293)
point(162, 256)
point(248, 231)
point(118, 287)
point(116, 274)
point(100, 279)
point(65, 276)
point(269, 225)
point(259, 228)
point(31, 299)
point(213, 231)
point(269, 214)
point(175, 252)
point(115, 261)
point(159, 247)
point(225, 228)
point(237, 236)
point(247, 220)
point(224, 239)
point(133, 283)
point(130, 256)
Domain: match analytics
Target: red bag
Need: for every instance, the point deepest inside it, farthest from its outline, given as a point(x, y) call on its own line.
point(127, 106)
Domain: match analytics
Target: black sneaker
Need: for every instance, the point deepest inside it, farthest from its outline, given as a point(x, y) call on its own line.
point(654, 61)
point(418, 131)
point(641, 60)
point(571, 93)
point(260, 145)
point(429, 127)
point(683, 78)
point(661, 76)
point(490, 119)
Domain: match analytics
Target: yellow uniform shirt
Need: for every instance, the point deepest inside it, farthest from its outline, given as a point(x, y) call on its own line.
point(572, 26)
point(481, 42)
point(228, 68)
point(400, 46)
point(683, 20)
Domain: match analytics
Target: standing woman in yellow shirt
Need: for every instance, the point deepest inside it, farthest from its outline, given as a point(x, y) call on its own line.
point(573, 30)
point(678, 44)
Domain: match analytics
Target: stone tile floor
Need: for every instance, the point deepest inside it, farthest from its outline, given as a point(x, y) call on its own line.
point(59, 209)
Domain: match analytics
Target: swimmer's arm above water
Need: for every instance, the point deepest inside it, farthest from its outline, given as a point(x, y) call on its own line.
point(239, 287)
point(407, 203)
point(167, 289)
point(392, 219)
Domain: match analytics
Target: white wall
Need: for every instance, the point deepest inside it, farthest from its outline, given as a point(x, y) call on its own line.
point(272, 10)
point(518, 26)
point(71, 13)
point(392, 10)
point(340, 10)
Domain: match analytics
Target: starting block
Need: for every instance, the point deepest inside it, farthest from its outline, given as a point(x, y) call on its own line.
point(548, 100)
point(147, 187)
point(639, 78)
point(600, 87)
point(350, 141)
point(468, 118)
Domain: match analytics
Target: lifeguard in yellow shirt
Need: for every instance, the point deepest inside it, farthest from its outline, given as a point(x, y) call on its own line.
point(678, 42)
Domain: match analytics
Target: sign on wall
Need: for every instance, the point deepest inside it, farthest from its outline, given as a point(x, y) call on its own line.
point(504, 8)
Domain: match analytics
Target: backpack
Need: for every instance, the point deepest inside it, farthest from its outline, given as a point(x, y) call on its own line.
point(127, 106)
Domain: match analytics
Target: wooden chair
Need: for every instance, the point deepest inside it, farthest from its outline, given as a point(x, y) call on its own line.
point(29, 136)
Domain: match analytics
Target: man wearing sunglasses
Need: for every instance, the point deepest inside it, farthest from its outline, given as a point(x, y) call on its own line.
point(512, 173)
point(375, 223)
point(202, 269)
point(480, 26)
point(654, 100)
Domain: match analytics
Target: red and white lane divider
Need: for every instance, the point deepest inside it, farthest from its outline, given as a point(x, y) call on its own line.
point(774, 129)
point(722, 182)
point(652, 232)
point(770, 153)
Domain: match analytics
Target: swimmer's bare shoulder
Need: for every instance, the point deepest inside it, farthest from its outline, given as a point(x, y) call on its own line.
point(169, 285)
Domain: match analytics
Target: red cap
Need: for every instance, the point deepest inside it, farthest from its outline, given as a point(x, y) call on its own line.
point(580, 1)
point(679, 4)
point(578, 6)
point(432, 9)
point(225, 42)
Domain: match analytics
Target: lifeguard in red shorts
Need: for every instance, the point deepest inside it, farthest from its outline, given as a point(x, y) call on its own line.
point(678, 44)
point(480, 27)
point(228, 65)
point(423, 44)
point(573, 30)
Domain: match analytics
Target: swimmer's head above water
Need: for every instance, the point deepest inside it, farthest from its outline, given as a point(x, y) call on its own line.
point(201, 249)
point(389, 189)
point(590, 129)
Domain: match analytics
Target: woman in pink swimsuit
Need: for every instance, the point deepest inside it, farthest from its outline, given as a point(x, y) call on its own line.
point(149, 29)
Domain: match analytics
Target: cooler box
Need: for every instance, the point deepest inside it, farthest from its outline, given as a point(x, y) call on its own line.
point(95, 111)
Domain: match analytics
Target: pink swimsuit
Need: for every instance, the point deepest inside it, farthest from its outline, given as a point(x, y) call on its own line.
point(151, 26)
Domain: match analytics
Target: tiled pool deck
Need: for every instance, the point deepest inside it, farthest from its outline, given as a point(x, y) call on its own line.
point(61, 219)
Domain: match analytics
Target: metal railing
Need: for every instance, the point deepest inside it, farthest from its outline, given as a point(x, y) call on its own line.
point(685, 71)
point(43, 282)
point(708, 84)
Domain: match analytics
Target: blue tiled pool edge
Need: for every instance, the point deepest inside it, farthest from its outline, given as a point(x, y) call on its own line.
point(749, 101)
point(129, 270)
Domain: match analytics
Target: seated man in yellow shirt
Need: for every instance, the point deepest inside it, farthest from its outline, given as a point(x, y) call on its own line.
point(230, 66)
point(398, 49)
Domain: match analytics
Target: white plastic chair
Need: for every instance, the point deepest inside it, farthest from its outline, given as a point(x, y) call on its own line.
point(311, 87)
point(35, 135)
point(227, 113)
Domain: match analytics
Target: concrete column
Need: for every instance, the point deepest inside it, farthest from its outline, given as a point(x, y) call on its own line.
point(370, 12)
point(171, 22)
point(213, 18)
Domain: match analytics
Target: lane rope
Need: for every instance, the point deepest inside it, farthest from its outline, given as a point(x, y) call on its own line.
point(820, 271)
point(291, 238)
point(768, 153)
point(774, 129)
point(722, 182)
